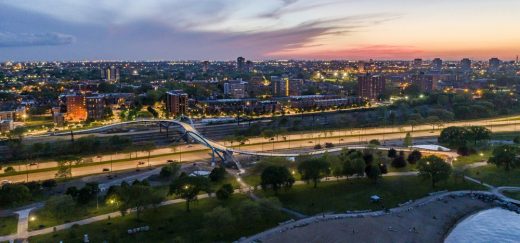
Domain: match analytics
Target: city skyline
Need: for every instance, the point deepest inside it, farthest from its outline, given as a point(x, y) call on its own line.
point(272, 29)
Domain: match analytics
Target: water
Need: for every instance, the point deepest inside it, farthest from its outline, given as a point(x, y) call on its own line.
point(492, 225)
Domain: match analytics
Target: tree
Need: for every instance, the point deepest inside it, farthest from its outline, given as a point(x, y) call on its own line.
point(392, 153)
point(188, 187)
point(170, 170)
point(224, 192)
point(49, 184)
point(373, 172)
point(314, 169)
point(407, 142)
point(478, 133)
point(65, 164)
point(505, 156)
point(138, 197)
point(217, 174)
point(414, 156)
point(453, 136)
point(399, 162)
point(88, 193)
point(60, 206)
point(11, 194)
point(249, 211)
point(276, 177)
point(219, 220)
point(434, 168)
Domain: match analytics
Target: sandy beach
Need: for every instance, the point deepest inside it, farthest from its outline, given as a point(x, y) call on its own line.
point(427, 223)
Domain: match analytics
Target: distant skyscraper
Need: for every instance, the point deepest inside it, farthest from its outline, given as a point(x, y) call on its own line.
point(110, 74)
point(176, 102)
point(361, 67)
point(205, 66)
point(437, 64)
point(249, 66)
point(371, 86)
point(465, 65)
point(280, 86)
point(494, 64)
point(241, 63)
point(417, 63)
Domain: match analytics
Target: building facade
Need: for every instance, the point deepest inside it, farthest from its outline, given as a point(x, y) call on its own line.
point(176, 102)
point(371, 86)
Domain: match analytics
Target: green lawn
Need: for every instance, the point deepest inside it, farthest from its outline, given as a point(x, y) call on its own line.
point(172, 224)
point(354, 194)
point(514, 195)
point(8, 225)
point(44, 218)
point(474, 158)
point(496, 176)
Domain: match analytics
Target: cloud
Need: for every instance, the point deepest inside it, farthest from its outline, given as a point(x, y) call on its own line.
point(8, 39)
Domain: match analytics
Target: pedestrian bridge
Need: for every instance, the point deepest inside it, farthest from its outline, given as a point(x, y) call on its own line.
point(226, 153)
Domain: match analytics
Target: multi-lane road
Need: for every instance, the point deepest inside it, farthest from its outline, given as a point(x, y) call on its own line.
point(198, 152)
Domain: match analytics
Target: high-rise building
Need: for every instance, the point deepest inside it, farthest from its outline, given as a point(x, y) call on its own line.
point(426, 83)
point(205, 66)
point(241, 63)
point(176, 102)
point(280, 86)
point(110, 74)
point(236, 89)
point(295, 87)
point(95, 107)
point(371, 86)
point(76, 108)
point(361, 67)
point(249, 66)
point(417, 63)
point(465, 65)
point(437, 64)
point(494, 64)
point(257, 86)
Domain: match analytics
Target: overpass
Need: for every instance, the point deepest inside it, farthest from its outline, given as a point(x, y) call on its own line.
point(225, 153)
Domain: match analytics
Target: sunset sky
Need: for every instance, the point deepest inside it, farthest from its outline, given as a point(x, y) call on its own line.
point(225, 29)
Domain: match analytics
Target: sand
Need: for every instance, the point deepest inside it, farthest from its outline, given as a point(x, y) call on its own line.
point(427, 223)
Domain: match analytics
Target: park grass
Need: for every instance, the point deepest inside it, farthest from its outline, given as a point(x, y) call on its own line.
point(495, 176)
point(171, 224)
point(354, 194)
point(44, 218)
point(473, 158)
point(513, 195)
point(8, 225)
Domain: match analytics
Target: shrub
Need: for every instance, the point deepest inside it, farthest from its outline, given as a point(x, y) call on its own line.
point(399, 162)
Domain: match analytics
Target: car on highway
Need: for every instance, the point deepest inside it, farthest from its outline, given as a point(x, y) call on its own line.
point(170, 161)
point(33, 164)
point(106, 169)
point(140, 163)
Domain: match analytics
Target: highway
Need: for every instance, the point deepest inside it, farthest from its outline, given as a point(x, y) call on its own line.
point(255, 146)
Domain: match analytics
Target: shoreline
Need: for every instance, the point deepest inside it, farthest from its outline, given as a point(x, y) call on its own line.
point(457, 222)
point(429, 219)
